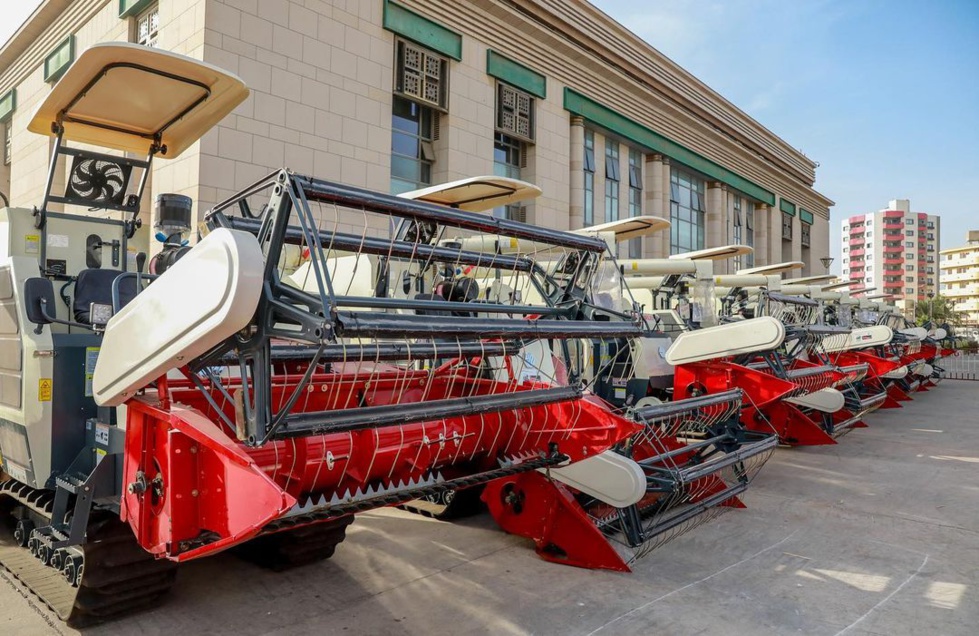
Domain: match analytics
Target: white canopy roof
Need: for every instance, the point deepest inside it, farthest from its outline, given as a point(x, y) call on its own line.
point(630, 228)
point(476, 194)
point(774, 268)
point(715, 253)
point(121, 96)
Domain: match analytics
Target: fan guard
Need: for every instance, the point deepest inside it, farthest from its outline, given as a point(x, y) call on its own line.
point(97, 182)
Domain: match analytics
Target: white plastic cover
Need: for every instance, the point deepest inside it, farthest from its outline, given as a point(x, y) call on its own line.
point(609, 477)
point(206, 297)
point(757, 334)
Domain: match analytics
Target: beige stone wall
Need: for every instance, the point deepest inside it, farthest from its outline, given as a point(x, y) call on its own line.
point(321, 76)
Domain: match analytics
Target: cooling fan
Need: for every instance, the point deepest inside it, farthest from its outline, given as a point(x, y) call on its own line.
point(97, 182)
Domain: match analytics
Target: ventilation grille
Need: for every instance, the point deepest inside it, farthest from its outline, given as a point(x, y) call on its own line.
point(421, 75)
point(514, 112)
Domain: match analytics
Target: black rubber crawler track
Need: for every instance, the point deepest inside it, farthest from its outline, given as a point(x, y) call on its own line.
point(119, 577)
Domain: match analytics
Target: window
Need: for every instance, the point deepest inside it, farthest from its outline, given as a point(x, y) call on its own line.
point(148, 26)
point(421, 75)
point(908, 256)
point(412, 152)
point(870, 234)
point(909, 290)
point(909, 232)
point(931, 236)
point(846, 249)
point(687, 211)
point(514, 112)
point(507, 159)
point(806, 228)
point(931, 281)
point(909, 268)
point(909, 244)
point(909, 221)
point(870, 223)
point(7, 131)
point(635, 197)
point(749, 232)
point(909, 279)
point(611, 180)
point(845, 271)
point(870, 268)
point(786, 227)
point(589, 210)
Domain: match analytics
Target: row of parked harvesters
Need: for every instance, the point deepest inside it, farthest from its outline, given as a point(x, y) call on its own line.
point(323, 350)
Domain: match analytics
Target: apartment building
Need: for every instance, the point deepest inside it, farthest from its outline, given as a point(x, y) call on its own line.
point(398, 95)
point(894, 250)
point(960, 280)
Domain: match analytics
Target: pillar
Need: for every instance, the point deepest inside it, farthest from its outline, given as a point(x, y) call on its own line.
point(576, 208)
point(654, 205)
point(774, 236)
point(761, 233)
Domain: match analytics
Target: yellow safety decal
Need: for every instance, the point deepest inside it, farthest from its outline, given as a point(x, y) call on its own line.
point(32, 243)
point(44, 389)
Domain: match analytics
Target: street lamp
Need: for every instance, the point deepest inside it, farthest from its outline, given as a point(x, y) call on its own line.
point(827, 261)
point(931, 305)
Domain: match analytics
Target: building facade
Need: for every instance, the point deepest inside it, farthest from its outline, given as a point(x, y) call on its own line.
point(960, 280)
point(396, 95)
point(894, 250)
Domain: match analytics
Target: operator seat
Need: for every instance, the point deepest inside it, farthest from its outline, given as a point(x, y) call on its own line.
point(95, 286)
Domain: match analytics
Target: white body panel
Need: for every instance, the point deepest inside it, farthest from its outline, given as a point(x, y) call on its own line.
point(756, 334)
point(916, 332)
point(860, 338)
point(897, 373)
point(610, 477)
point(825, 400)
point(206, 297)
point(938, 334)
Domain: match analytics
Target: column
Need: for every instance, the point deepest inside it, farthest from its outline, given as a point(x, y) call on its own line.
point(666, 205)
point(762, 212)
point(576, 208)
point(796, 250)
point(654, 204)
point(774, 236)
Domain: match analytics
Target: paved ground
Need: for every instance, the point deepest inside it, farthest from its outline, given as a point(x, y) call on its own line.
point(878, 535)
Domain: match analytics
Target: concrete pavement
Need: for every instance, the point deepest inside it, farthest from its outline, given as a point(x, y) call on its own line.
point(877, 535)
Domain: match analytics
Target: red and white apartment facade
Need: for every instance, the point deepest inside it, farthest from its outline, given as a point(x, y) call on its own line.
point(895, 251)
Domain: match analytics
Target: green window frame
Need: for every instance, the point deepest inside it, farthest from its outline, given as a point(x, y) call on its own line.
point(8, 104)
point(516, 74)
point(421, 30)
point(59, 59)
point(129, 8)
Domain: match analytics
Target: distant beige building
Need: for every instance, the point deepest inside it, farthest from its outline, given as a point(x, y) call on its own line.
point(393, 96)
point(960, 279)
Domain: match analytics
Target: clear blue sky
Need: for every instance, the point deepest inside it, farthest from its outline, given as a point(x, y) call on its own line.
point(884, 94)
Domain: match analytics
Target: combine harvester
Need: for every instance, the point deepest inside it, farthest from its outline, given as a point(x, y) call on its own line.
point(247, 393)
point(785, 384)
point(696, 457)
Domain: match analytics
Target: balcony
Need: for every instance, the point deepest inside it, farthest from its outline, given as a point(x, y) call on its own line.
point(856, 239)
point(893, 260)
point(962, 292)
point(893, 214)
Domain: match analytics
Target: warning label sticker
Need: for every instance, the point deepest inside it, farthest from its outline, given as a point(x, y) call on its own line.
point(91, 357)
point(32, 243)
point(44, 390)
